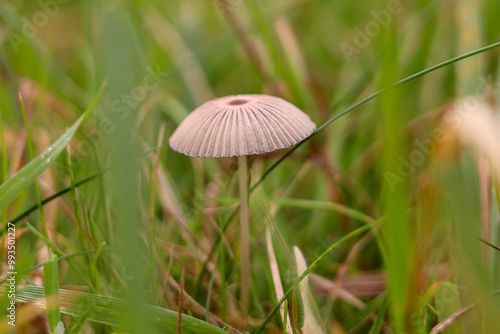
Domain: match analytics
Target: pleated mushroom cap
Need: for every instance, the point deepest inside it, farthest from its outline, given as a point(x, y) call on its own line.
point(241, 125)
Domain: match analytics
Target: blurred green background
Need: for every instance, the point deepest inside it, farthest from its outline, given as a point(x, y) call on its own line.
point(410, 159)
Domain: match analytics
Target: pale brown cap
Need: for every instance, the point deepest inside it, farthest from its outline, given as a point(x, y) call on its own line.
point(241, 125)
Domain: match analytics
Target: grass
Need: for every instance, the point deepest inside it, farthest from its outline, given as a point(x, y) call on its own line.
point(391, 205)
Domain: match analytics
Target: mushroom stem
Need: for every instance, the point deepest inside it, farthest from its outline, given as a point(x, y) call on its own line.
point(244, 233)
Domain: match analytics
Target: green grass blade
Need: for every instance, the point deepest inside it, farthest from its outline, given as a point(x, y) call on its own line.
point(108, 311)
point(14, 186)
point(379, 320)
point(95, 270)
point(51, 286)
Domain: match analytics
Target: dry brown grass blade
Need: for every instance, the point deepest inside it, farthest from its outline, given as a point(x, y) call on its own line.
point(439, 328)
point(490, 244)
point(190, 304)
point(372, 283)
point(351, 287)
point(275, 273)
point(311, 325)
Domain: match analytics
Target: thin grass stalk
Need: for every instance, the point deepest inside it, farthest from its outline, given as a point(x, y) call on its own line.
point(286, 324)
point(51, 285)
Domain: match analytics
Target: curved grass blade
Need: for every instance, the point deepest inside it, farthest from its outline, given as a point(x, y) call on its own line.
point(14, 186)
point(108, 311)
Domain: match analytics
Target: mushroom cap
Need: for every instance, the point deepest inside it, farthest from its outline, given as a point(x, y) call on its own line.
point(241, 125)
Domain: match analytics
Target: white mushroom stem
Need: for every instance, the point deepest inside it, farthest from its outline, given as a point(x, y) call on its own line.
point(244, 233)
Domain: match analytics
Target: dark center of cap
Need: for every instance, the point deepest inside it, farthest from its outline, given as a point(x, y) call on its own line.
point(237, 102)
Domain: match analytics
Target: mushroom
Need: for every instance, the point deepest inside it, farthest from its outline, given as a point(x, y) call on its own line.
point(241, 125)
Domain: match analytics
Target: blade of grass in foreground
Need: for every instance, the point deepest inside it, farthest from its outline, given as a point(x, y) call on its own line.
point(51, 286)
point(14, 186)
point(108, 311)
